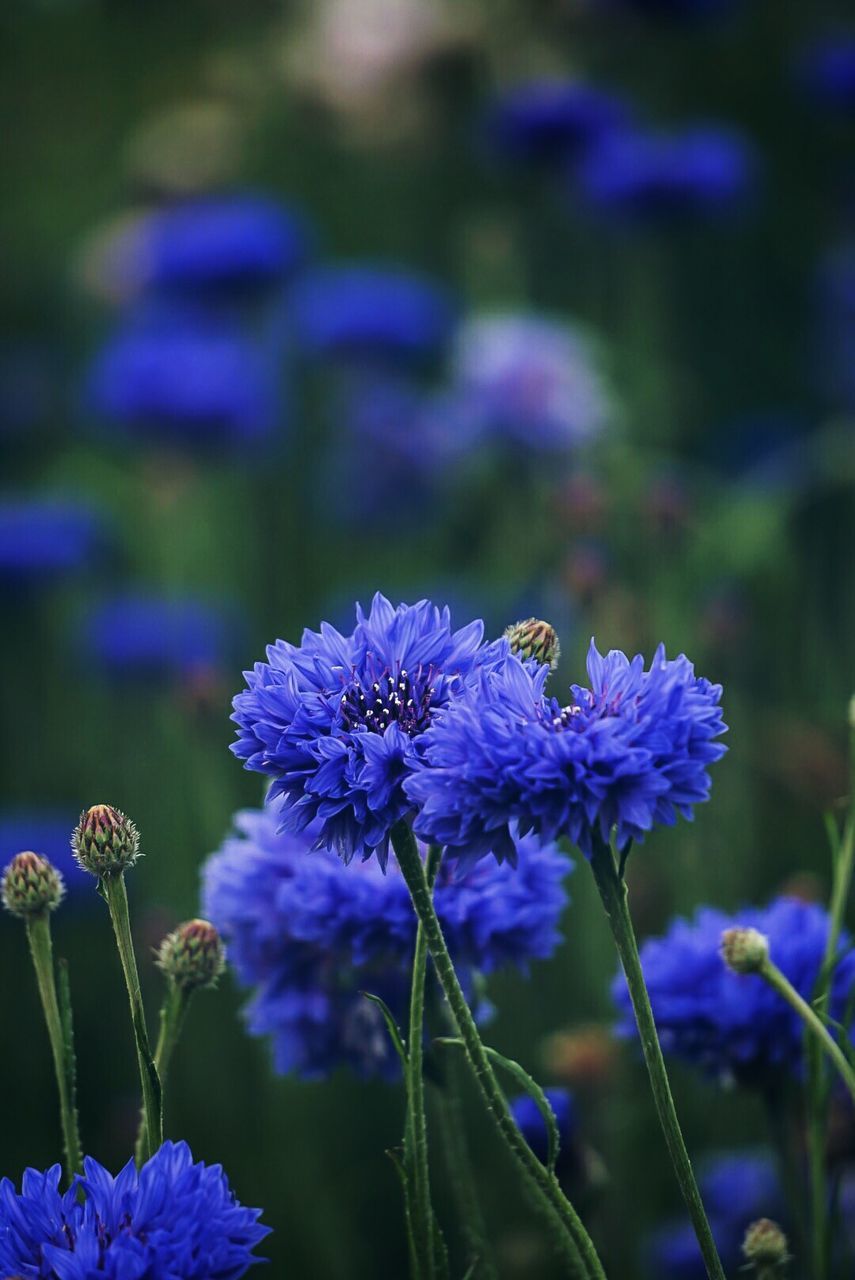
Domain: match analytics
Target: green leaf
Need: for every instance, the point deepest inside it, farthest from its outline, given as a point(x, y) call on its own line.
point(531, 1087)
point(391, 1025)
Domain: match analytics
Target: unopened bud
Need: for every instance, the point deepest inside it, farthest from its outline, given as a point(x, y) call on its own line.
point(192, 955)
point(765, 1245)
point(534, 639)
point(105, 841)
point(744, 950)
point(31, 885)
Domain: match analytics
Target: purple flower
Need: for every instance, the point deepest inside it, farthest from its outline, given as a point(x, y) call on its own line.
point(309, 936)
point(338, 720)
point(172, 1218)
point(703, 170)
point(627, 753)
point(731, 1026)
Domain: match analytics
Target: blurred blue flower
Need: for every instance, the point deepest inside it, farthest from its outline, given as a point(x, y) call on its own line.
point(531, 1124)
point(734, 1027)
point(48, 832)
point(642, 175)
point(531, 379)
point(220, 243)
point(337, 720)
point(365, 310)
point(186, 379)
point(46, 538)
point(549, 119)
point(629, 752)
point(172, 1218)
point(826, 71)
point(834, 340)
point(311, 935)
point(142, 636)
point(737, 1188)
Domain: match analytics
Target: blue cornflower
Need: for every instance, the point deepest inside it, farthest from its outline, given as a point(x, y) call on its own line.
point(629, 752)
point(172, 1218)
point(48, 832)
point(531, 379)
point(310, 936)
point(141, 635)
point(370, 311)
point(220, 243)
point(645, 175)
point(826, 71)
point(734, 1027)
point(530, 1122)
point(548, 119)
point(46, 538)
point(737, 1188)
point(338, 720)
point(183, 378)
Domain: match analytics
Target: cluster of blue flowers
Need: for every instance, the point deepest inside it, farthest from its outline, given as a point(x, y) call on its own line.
point(172, 1218)
point(731, 1026)
point(310, 936)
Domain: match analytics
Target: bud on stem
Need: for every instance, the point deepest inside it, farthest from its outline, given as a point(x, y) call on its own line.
point(535, 639)
point(105, 842)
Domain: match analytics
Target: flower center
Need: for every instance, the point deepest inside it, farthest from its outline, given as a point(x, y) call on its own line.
point(393, 698)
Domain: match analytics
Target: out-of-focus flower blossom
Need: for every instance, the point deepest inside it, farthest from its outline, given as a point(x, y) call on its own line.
point(584, 1057)
point(186, 380)
point(630, 752)
point(826, 71)
point(47, 832)
point(219, 244)
point(737, 1188)
point(731, 1026)
point(550, 119)
point(43, 539)
point(145, 636)
point(170, 1218)
point(370, 311)
point(311, 935)
point(641, 175)
point(531, 1124)
point(336, 720)
point(186, 149)
point(531, 379)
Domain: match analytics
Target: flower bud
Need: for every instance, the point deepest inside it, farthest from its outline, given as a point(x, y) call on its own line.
point(105, 841)
point(765, 1245)
point(31, 885)
point(744, 950)
point(534, 639)
point(192, 955)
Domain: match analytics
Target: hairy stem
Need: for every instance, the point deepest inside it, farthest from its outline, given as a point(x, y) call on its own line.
point(117, 900)
point(460, 1174)
point(41, 949)
point(772, 974)
point(173, 1011)
point(581, 1256)
point(614, 896)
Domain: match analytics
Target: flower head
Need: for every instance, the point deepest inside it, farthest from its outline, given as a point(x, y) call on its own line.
point(105, 842)
point(48, 831)
point(172, 1218)
point(46, 538)
point(705, 170)
point(310, 936)
point(630, 751)
point(549, 119)
point(733, 1026)
point(338, 720)
point(736, 1187)
point(143, 636)
point(364, 310)
point(30, 886)
point(192, 956)
point(182, 378)
point(220, 243)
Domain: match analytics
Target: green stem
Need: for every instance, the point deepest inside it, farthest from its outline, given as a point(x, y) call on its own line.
point(460, 1174)
point(787, 991)
point(614, 896)
point(415, 1140)
point(41, 949)
point(117, 900)
point(173, 1011)
point(581, 1256)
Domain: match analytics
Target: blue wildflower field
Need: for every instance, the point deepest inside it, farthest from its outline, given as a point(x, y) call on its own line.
point(427, 816)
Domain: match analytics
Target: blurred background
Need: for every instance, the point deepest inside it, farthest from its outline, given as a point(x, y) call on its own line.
point(535, 309)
